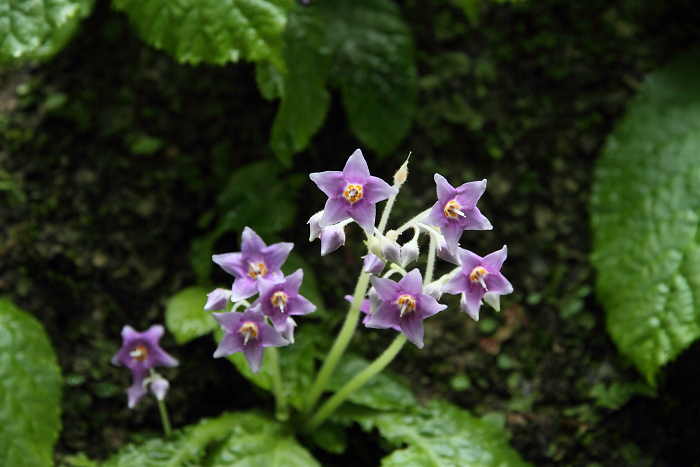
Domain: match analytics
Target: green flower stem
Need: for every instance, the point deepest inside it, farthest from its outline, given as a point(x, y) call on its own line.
point(385, 214)
point(281, 407)
point(415, 219)
point(340, 344)
point(327, 409)
point(163, 410)
point(430, 267)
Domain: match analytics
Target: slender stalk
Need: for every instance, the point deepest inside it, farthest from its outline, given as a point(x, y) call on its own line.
point(415, 219)
point(327, 409)
point(281, 407)
point(165, 419)
point(430, 267)
point(340, 344)
point(385, 214)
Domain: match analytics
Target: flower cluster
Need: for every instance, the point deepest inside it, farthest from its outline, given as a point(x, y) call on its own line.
point(403, 305)
point(267, 322)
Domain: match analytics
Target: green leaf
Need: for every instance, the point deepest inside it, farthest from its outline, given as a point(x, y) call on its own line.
point(382, 392)
point(30, 391)
point(259, 441)
point(185, 316)
point(297, 363)
point(444, 435)
point(644, 214)
point(375, 66)
point(305, 99)
point(212, 31)
point(38, 28)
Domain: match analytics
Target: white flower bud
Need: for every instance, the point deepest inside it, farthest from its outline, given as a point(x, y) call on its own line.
point(159, 387)
point(314, 227)
point(409, 252)
point(434, 289)
point(493, 299)
point(332, 238)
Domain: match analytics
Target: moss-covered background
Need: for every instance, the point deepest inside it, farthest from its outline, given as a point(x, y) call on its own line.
point(111, 153)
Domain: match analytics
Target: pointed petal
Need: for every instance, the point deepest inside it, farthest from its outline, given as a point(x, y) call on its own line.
point(386, 288)
point(335, 210)
point(251, 244)
point(332, 238)
point(153, 334)
point(445, 191)
point(129, 333)
point(452, 232)
point(373, 264)
point(276, 254)
point(494, 261)
point(254, 355)
point(356, 169)
point(329, 182)
point(412, 327)
point(469, 193)
point(217, 300)
point(469, 260)
point(229, 320)
point(496, 283)
point(384, 317)
point(364, 215)
point(471, 302)
point(159, 357)
point(136, 391)
point(436, 216)
point(243, 287)
point(474, 220)
point(269, 337)
point(301, 306)
point(427, 306)
point(375, 190)
point(412, 282)
point(293, 282)
point(232, 263)
point(229, 344)
point(458, 284)
point(493, 299)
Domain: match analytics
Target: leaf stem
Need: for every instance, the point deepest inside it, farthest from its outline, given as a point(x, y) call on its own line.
point(281, 407)
point(359, 380)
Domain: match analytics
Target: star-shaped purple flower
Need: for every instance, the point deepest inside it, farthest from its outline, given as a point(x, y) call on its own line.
point(404, 305)
point(140, 352)
point(280, 300)
point(352, 193)
point(456, 211)
point(477, 277)
point(255, 260)
point(247, 332)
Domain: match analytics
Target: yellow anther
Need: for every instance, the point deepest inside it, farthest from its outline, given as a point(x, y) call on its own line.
point(139, 353)
point(452, 209)
point(249, 329)
point(255, 270)
point(279, 299)
point(477, 275)
point(353, 193)
point(407, 303)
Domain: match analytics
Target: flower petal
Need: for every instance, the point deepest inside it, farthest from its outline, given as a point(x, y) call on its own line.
point(254, 355)
point(496, 283)
point(493, 262)
point(364, 215)
point(469, 193)
point(251, 244)
point(276, 254)
point(427, 306)
point(329, 182)
point(452, 231)
point(232, 263)
point(458, 284)
point(412, 282)
point(375, 190)
point(159, 357)
point(471, 302)
point(229, 344)
point(412, 327)
point(301, 306)
point(335, 210)
point(474, 220)
point(469, 260)
point(445, 191)
point(243, 287)
point(386, 288)
point(384, 317)
point(436, 216)
point(356, 169)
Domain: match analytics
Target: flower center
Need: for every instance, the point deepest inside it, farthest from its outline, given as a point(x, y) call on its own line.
point(139, 353)
point(477, 275)
point(249, 329)
point(353, 193)
point(407, 303)
point(451, 209)
point(257, 269)
point(279, 299)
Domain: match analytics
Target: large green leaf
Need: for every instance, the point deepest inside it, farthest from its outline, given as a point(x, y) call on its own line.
point(375, 66)
point(444, 435)
point(212, 31)
point(235, 439)
point(644, 213)
point(30, 391)
point(297, 363)
point(38, 28)
point(305, 99)
point(185, 316)
point(382, 392)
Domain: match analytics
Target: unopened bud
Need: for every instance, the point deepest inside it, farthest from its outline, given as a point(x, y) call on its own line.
point(443, 251)
point(493, 299)
point(314, 227)
point(465, 308)
point(288, 331)
point(390, 249)
point(373, 264)
point(392, 235)
point(409, 252)
point(402, 174)
point(374, 300)
point(332, 238)
point(159, 387)
point(434, 289)
point(217, 300)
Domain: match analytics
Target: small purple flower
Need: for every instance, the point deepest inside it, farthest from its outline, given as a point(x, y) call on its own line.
point(373, 264)
point(217, 300)
point(352, 193)
point(365, 308)
point(332, 238)
point(456, 211)
point(140, 352)
point(255, 260)
point(478, 277)
point(247, 332)
point(280, 300)
point(404, 305)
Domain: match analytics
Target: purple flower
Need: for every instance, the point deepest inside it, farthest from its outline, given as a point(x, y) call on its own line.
point(365, 308)
point(247, 332)
point(332, 238)
point(478, 277)
point(217, 300)
point(373, 264)
point(255, 260)
point(280, 300)
point(404, 305)
point(352, 193)
point(456, 211)
point(140, 352)
point(159, 387)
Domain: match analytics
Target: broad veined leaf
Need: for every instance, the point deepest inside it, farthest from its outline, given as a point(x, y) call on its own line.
point(444, 435)
point(382, 392)
point(185, 316)
point(212, 31)
point(305, 99)
point(259, 441)
point(645, 212)
point(30, 391)
point(374, 64)
point(297, 364)
point(38, 28)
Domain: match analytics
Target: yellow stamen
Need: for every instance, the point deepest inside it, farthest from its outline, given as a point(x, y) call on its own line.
point(407, 303)
point(279, 299)
point(452, 210)
point(139, 353)
point(477, 275)
point(255, 270)
point(249, 329)
point(353, 193)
